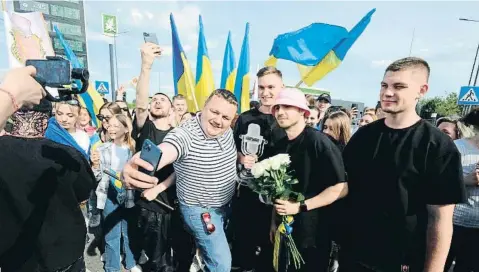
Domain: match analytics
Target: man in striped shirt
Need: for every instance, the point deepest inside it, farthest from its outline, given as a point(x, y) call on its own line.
point(204, 156)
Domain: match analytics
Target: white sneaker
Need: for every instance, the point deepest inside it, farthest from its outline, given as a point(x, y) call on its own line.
point(196, 264)
point(136, 268)
point(143, 258)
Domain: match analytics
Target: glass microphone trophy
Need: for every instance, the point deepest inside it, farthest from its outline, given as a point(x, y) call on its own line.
point(252, 143)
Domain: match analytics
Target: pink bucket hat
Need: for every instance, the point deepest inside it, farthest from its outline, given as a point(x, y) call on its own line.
point(292, 97)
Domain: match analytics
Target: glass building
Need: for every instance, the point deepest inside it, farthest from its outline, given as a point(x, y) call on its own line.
point(68, 16)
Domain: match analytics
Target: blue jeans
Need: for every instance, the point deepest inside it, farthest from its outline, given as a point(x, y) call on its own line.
point(115, 226)
point(213, 246)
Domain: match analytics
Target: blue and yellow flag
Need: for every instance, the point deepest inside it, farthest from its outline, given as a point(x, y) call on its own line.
point(182, 75)
point(204, 74)
point(95, 141)
point(241, 90)
point(228, 74)
point(316, 49)
point(91, 99)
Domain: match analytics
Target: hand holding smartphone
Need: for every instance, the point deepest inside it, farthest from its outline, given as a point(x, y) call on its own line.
point(150, 37)
point(151, 154)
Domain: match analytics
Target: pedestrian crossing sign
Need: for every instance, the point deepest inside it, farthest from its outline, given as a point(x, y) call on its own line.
point(102, 87)
point(468, 96)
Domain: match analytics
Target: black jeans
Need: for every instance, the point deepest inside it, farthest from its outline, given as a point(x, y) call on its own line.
point(250, 225)
point(155, 239)
point(464, 250)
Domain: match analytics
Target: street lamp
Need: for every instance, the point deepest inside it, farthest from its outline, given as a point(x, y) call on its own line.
point(116, 60)
point(467, 109)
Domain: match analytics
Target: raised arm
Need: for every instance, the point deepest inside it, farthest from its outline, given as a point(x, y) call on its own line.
point(149, 52)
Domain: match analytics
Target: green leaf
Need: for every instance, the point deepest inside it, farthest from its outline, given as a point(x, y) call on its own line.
point(300, 197)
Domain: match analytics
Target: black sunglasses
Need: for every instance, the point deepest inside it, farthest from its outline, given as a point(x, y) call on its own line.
point(101, 118)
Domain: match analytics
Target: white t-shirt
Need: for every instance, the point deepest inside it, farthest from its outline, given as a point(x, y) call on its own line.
point(119, 157)
point(82, 139)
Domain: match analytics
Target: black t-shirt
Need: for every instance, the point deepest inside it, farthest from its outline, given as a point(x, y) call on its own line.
point(149, 131)
point(270, 130)
point(317, 164)
point(393, 174)
point(41, 186)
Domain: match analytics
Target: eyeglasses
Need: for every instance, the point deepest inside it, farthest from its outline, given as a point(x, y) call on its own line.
point(72, 102)
point(206, 217)
point(124, 109)
point(103, 118)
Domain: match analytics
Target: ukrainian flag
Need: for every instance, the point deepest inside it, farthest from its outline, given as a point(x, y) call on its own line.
point(317, 49)
point(228, 75)
point(204, 74)
point(182, 76)
point(91, 99)
point(95, 141)
point(241, 89)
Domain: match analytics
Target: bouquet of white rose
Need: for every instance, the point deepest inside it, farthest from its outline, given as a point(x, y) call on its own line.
point(272, 180)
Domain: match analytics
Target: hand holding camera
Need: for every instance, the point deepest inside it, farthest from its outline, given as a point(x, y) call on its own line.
point(22, 88)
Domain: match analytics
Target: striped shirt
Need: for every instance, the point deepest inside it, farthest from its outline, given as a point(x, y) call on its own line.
point(205, 167)
point(467, 214)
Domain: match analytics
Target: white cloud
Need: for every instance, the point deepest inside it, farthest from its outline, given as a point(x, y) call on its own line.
point(167, 50)
point(380, 63)
point(137, 16)
point(149, 15)
point(212, 44)
point(187, 47)
point(97, 36)
point(216, 65)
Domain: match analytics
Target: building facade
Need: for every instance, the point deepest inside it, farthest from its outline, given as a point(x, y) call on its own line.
point(68, 16)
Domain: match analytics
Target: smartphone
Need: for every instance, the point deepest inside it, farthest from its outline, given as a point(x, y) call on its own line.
point(151, 154)
point(54, 72)
point(354, 105)
point(150, 37)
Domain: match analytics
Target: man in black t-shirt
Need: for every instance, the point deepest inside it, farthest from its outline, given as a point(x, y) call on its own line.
point(317, 164)
point(404, 177)
point(247, 207)
point(154, 219)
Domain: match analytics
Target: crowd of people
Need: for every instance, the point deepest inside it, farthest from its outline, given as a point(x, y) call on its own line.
point(394, 193)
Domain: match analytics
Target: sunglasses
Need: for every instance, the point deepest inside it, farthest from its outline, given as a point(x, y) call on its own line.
point(72, 102)
point(206, 217)
point(101, 118)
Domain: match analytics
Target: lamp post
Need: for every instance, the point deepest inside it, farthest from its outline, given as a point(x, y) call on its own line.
point(468, 108)
point(115, 84)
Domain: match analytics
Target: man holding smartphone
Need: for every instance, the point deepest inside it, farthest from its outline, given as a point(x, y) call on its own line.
point(154, 220)
point(204, 156)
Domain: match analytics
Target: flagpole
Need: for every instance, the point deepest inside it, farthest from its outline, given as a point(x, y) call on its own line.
point(4, 5)
point(412, 41)
point(299, 84)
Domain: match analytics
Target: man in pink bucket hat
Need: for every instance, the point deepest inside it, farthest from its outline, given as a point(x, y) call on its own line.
point(317, 164)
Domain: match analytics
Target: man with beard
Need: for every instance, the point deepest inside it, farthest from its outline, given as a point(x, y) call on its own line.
point(404, 179)
point(247, 206)
point(317, 164)
point(154, 220)
point(179, 108)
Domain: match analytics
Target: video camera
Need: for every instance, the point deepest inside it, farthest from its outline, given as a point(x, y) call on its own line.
point(56, 75)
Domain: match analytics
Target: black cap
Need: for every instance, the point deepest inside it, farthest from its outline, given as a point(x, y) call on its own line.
point(324, 96)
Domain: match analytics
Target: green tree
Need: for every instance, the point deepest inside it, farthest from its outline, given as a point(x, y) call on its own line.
point(442, 105)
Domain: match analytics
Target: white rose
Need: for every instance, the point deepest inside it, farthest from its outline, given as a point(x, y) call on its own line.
point(284, 159)
point(266, 164)
point(275, 163)
point(257, 170)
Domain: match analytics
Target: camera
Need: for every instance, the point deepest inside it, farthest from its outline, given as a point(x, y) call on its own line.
point(55, 74)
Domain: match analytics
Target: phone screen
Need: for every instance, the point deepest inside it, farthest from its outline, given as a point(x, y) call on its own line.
point(150, 37)
point(55, 73)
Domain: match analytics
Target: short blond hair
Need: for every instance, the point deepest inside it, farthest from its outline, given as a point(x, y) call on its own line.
point(269, 70)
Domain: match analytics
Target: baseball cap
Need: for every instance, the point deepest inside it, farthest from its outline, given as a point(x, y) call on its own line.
point(324, 96)
point(292, 97)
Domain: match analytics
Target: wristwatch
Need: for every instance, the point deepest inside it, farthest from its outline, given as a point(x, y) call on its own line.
point(302, 206)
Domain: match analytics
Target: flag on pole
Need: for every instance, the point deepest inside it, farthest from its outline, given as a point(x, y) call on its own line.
point(242, 78)
point(182, 75)
point(317, 49)
point(255, 93)
point(204, 73)
point(91, 99)
point(228, 74)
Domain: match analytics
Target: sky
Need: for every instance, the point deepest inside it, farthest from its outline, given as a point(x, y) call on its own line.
point(448, 44)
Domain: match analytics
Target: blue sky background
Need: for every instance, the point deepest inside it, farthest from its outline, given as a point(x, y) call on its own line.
point(445, 42)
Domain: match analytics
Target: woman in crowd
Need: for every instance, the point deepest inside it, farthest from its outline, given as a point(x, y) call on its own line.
point(67, 113)
point(338, 126)
point(85, 122)
point(112, 198)
point(106, 112)
point(448, 125)
point(366, 119)
point(466, 216)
